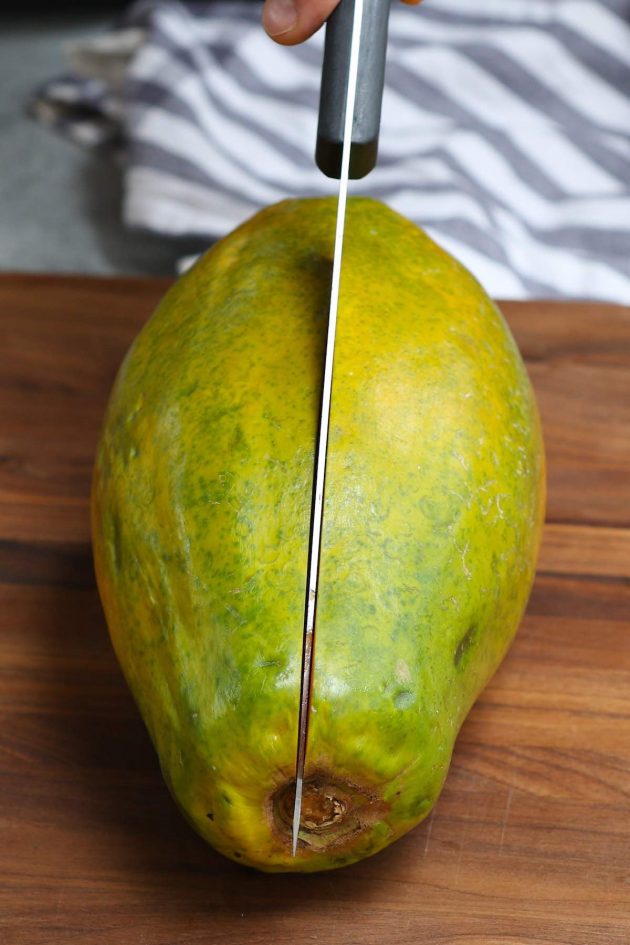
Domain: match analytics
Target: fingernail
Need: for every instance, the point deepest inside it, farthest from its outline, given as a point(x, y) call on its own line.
point(279, 16)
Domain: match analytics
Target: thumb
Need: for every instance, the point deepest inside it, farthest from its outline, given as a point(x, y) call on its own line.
point(292, 21)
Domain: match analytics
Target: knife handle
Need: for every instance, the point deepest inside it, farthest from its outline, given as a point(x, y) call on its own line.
point(369, 94)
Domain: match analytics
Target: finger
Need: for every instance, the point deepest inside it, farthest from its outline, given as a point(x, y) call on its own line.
point(293, 21)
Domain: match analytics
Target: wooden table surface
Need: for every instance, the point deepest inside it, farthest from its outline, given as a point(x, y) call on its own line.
point(530, 841)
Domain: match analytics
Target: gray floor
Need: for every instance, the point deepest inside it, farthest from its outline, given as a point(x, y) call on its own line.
point(60, 205)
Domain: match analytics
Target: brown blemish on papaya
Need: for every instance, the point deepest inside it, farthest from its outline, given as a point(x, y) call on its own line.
point(464, 644)
point(334, 811)
point(321, 810)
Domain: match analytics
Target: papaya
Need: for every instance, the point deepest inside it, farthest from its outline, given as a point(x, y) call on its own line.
point(201, 509)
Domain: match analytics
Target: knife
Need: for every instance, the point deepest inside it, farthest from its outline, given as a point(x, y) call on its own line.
point(347, 144)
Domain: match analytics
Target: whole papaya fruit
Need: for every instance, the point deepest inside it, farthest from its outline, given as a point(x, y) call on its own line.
point(201, 508)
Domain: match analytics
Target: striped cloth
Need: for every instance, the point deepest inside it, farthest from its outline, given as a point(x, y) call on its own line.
point(505, 131)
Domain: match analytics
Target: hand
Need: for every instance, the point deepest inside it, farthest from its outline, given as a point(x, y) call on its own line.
point(293, 21)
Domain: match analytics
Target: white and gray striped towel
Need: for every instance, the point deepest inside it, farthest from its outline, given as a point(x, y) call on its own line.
point(505, 131)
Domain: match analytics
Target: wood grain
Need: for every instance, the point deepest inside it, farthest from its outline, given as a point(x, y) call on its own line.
point(530, 841)
point(582, 549)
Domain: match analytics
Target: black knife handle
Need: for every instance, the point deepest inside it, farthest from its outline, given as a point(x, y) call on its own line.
point(369, 95)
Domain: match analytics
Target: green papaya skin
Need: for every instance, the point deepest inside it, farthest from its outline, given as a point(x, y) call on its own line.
point(201, 510)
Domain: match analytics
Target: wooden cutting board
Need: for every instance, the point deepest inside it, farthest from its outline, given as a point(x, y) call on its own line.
point(530, 841)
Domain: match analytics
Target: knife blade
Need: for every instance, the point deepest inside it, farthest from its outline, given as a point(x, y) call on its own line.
point(349, 118)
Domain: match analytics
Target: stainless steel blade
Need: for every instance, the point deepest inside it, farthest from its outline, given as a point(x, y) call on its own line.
point(317, 510)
